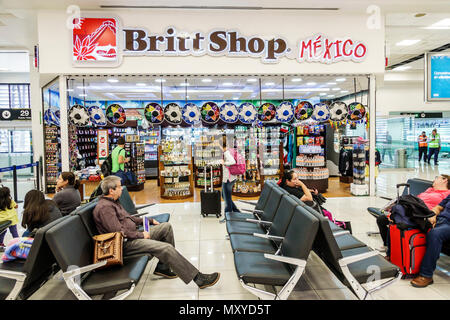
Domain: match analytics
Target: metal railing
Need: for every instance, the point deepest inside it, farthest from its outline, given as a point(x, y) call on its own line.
point(14, 169)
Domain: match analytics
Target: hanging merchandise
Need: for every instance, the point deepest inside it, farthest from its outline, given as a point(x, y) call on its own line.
point(321, 112)
point(338, 111)
point(210, 112)
point(285, 112)
point(154, 113)
point(359, 164)
point(191, 113)
point(79, 116)
point(303, 110)
point(172, 113)
point(267, 112)
point(97, 116)
point(51, 117)
point(356, 111)
point(247, 113)
point(229, 112)
point(115, 114)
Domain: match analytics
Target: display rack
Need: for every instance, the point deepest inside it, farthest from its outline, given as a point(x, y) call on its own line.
point(52, 157)
point(207, 154)
point(270, 153)
point(151, 138)
point(87, 145)
point(175, 170)
point(310, 163)
point(135, 151)
point(246, 142)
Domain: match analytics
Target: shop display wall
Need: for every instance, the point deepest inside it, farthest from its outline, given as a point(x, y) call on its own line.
point(208, 154)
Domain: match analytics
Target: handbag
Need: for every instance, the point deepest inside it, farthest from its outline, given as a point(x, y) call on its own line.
point(109, 247)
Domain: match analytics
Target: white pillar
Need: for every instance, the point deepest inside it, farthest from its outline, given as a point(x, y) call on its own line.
point(372, 133)
point(64, 124)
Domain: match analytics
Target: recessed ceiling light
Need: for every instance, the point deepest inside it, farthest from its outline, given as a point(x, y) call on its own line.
point(336, 89)
point(160, 80)
point(311, 84)
point(141, 84)
point(227, 83)
point(113, 80)
point(331, 83)
point(407, 42)
point(269, 83)
point(296, 80)
point(252, 80)
point(340, 79)
point(420, 15)
point(206, 80)
point(184, 84)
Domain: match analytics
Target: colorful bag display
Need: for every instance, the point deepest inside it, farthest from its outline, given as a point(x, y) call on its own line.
point(17, 248)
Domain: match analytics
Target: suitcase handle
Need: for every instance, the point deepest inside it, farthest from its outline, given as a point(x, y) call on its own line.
point(403, 185)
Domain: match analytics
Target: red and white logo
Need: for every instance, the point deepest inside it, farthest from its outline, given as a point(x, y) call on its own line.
point(95, 39)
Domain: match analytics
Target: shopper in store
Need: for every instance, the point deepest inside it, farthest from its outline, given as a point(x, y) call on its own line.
point(8, 212)
point(67, 196)
point(434, 146)
point(436, 236)
point(292, 184)
point(38, 212)
point(423, 146)
point(110, 216)
point(228, 179)
point(432, 197)
point(119, 159)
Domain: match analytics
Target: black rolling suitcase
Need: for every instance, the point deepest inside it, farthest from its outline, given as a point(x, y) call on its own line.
point(210, 200)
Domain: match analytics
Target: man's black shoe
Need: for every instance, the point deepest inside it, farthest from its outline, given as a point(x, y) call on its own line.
point(166, 273)
point(206, 280)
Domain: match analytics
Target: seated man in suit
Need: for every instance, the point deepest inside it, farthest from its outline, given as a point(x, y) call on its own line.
point(110, 216)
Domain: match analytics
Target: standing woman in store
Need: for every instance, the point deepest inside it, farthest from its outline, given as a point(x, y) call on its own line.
point(434, 146)
point(228, 179)
point(67, 196)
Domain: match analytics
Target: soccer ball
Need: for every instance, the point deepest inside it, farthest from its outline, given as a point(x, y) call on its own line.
point(321, 112)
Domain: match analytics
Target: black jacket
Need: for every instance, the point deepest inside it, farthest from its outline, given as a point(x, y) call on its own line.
point(413, 212)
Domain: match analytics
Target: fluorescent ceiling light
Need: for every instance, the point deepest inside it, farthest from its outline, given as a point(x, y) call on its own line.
point(311, 84)
point(296, 80)
point(252, 80)
point(344, 91)
point(160, 80)
point(322, 94)
point(80, 87)
point(113, 80)
point(442, 24)
point(213, 91)
point(407, 42)
point(297, 90)
point(336, 89)
point(340, 79)
point(206, 80)
point(331, 83)
point(184, 84)
point(331, 96)
point(269, 83)
point(69, 90)
point(141, 84)
point(83, 95)
point(4, 69)
point(401, 68)
point(227, 83)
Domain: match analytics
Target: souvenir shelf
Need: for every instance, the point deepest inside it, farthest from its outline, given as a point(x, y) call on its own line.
point(207, 154)
point(310, 163)
point(151, 138)
point(52, 157)
point(86, 139)
point(175, 170)
point(135, 151)
point(246, 142)
point(270, 153)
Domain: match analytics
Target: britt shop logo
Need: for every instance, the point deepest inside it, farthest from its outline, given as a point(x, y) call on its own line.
point(101, 40)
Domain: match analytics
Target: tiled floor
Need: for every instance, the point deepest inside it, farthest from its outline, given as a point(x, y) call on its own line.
point(202, 241)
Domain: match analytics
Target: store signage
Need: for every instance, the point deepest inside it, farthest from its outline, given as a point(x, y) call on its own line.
point(423, 115)
point(15, 114)
point(97, 39)
point(102, 145)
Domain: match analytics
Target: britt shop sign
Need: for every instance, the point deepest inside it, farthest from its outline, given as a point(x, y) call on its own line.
point(103, 42)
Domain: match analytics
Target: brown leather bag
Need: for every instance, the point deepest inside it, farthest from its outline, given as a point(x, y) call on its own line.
point(109, 247)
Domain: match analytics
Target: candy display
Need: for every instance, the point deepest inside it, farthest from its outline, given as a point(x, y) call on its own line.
point(191, 113)
point(229, 112)
point(78, 115)
point(210, 112)
point(115, 114)
point(154, 113)
point(285, 112)
point(267, 112)
point(172, 113)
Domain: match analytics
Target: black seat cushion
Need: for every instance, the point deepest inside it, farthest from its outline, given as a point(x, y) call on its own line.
point(238, 216)
point(334, 227)
point(252, 267)
point(6, 285)
point(364, 269)
point(246, 242)
point(116, 278)
point(347, 241)
point(376, 212)
point(244, 227)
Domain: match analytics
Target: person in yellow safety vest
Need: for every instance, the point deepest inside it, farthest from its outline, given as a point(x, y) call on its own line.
point(423, 146)
point(434, 146)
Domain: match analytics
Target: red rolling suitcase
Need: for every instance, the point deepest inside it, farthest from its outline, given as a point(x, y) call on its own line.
point(407, 246)
point(407, 249)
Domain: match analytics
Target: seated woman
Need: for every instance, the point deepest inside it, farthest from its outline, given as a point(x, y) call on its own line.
point(432, 197)
point(292, 184)
point(67, 196)
point(38, 212)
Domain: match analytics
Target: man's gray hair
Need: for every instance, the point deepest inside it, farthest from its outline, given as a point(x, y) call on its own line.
point(110, 182)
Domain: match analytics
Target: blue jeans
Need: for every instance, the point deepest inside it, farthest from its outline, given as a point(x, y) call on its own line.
point(227, 188)
point(435, 238)
point(432, 151)
point(13, 230)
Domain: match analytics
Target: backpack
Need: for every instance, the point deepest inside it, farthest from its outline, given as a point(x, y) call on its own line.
point(106, 166)
point(239, 167)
